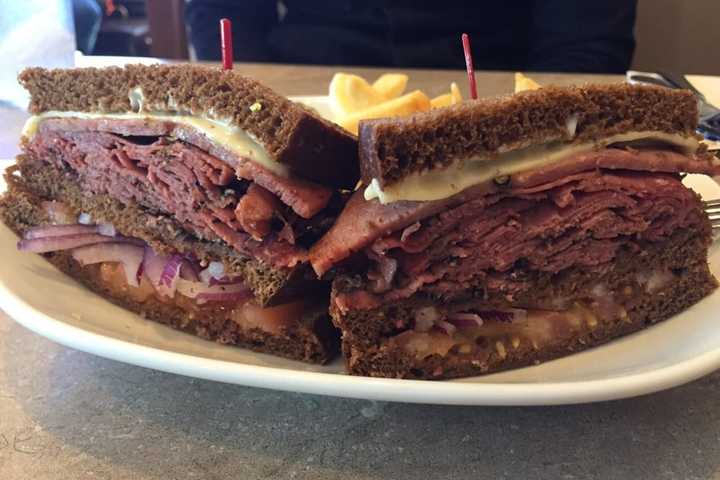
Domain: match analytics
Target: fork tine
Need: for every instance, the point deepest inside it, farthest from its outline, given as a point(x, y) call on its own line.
point(712, 210)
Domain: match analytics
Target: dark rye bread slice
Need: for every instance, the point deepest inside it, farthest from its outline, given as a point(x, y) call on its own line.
point(311, 339)
point(366, 332)
point(40, 181)
point(392, 148)
point(292, 134)
point(395, 363)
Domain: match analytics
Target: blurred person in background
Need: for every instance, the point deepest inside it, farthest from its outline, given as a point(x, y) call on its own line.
point(529, 35)
point(87, 15)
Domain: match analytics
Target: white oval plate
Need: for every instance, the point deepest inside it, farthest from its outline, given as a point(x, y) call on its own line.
point(671, 353)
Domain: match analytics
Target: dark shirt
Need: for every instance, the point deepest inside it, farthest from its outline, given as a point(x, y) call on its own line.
point(540, 35)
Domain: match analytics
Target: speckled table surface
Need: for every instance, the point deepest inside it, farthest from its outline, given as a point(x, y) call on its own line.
point(66, 414)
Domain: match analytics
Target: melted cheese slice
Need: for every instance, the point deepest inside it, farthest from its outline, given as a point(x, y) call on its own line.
point(439, 184)
point(222, 133)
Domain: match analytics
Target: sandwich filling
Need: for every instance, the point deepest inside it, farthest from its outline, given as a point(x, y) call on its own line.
point(589, 198)
point(176, 168)
point(504, 241)
point(129, 268)
point(446, 182)
point(175, 289)
point(219, 132)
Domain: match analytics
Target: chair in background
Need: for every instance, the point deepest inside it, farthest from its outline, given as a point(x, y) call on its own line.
point(144, 28)
point(167, 28)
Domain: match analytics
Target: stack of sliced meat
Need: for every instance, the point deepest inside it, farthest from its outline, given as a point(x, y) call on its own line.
point(255, 210)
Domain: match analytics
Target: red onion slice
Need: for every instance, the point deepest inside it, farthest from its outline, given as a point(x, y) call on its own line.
point(465, 320)
point(171, 271)
point(446, 327)
point(205, 276)
point(131, 257)
point(106, 229)
point(203, 293)
point(189, 270)
point(66, 242)
point(44, 231)
point(153, 266)
point(213, 272)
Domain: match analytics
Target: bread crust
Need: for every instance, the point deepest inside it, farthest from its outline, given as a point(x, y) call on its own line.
point(292, 134)
point(392, 148)
point(381, 361)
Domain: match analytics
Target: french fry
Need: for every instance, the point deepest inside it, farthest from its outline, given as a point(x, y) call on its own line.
point(415, 101)
point(447, 99)
point(352, 98)
point(523, 83)
point(390, 85)
point(455, 92)
point(351, 93)
point(444, 100)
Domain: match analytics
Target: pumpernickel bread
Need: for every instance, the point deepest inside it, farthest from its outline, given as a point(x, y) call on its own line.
point(310, 146)
point(392, 148)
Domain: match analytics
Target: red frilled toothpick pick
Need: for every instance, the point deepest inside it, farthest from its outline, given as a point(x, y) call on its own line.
point(469, 65)
point(226, 43)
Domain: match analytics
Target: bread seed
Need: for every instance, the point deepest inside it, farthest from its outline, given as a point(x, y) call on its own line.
point(502, 180)
point(500, 347)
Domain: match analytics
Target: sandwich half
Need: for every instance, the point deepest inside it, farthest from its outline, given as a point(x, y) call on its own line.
point(188, 194)
point(503, 232)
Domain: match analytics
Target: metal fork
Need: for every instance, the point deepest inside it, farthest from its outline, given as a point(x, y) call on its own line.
point(712, 208)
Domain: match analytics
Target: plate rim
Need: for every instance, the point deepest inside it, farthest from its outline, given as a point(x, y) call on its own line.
point(452, 392)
